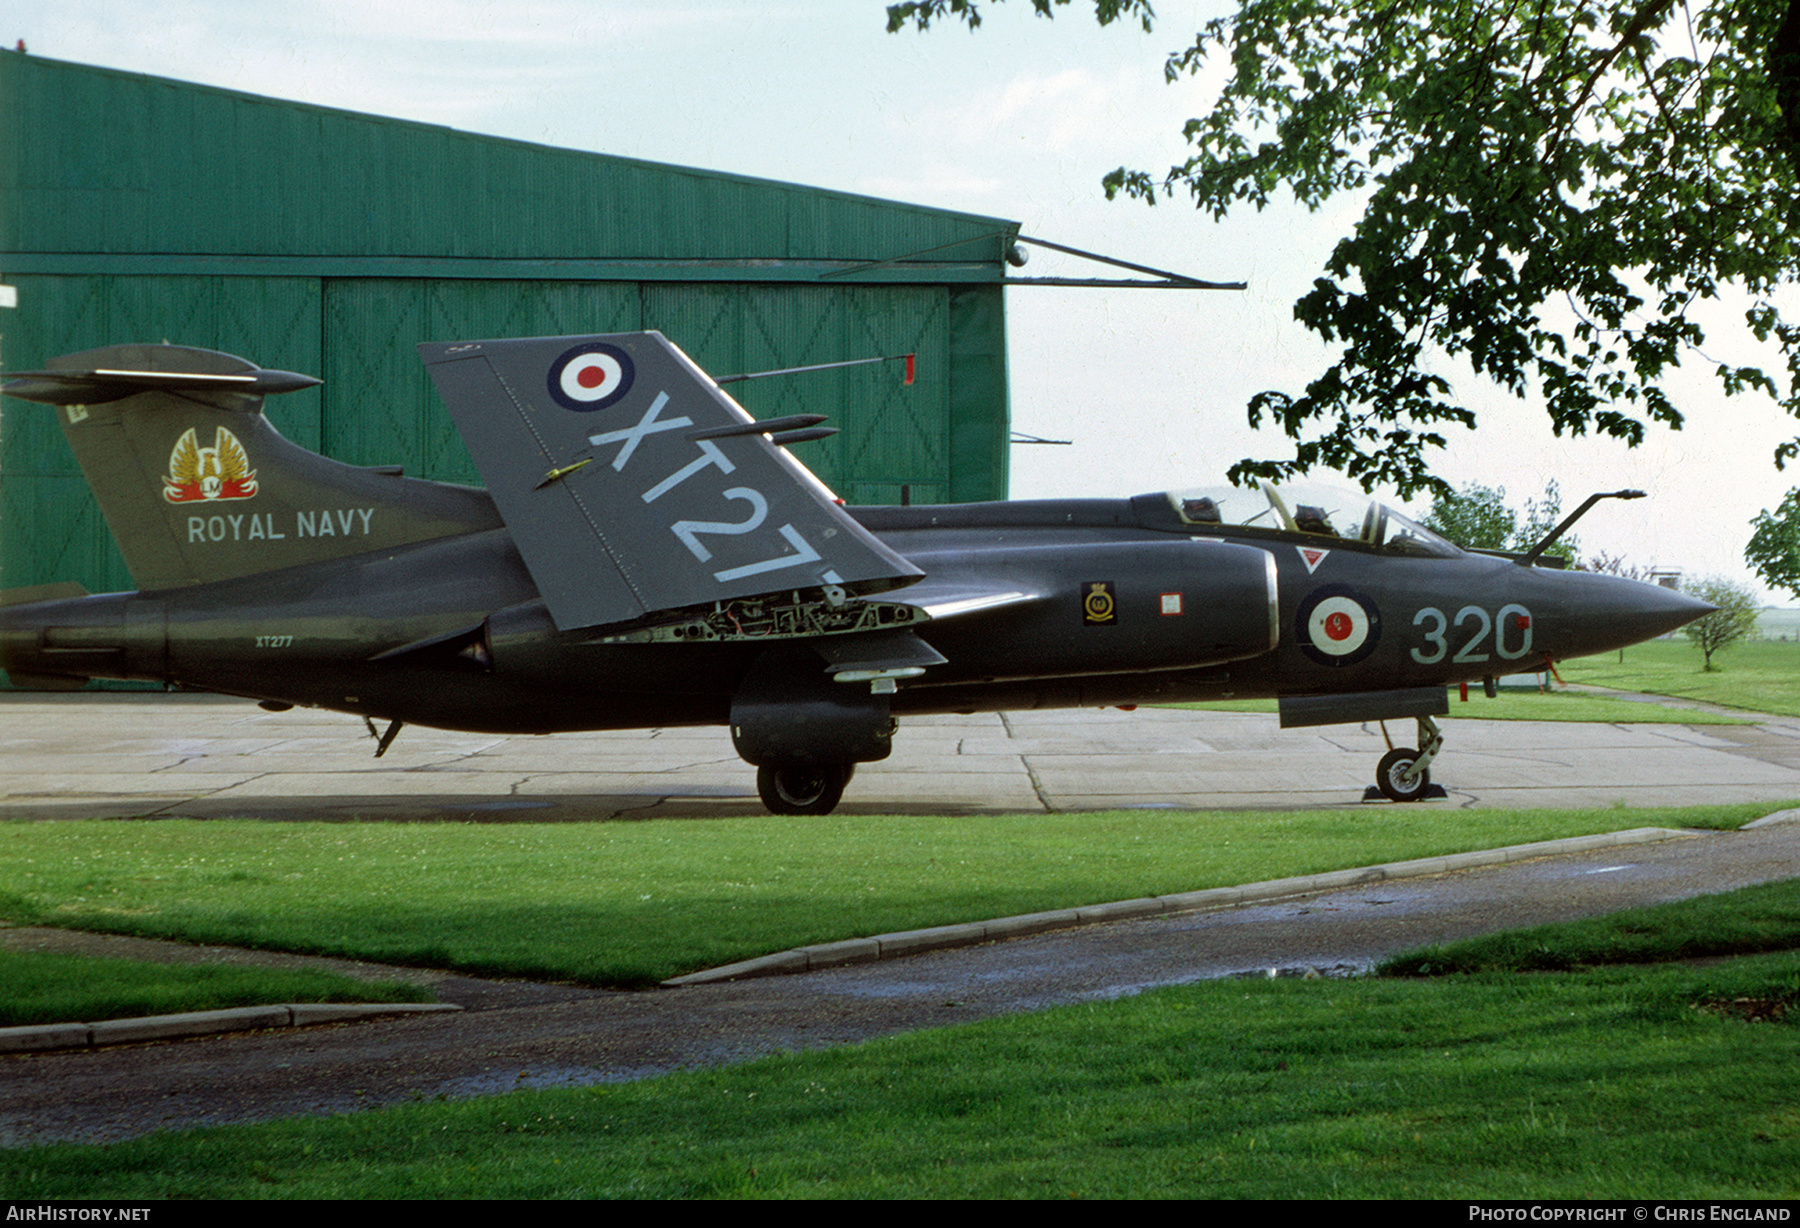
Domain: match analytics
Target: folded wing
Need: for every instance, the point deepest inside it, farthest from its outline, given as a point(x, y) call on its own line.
point(631, 486)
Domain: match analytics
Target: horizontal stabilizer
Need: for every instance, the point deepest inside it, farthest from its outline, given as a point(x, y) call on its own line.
point(632, 485)
point(130, 370)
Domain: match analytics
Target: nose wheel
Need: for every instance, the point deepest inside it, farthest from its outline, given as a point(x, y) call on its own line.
point(1399, 776)
point(1404, 774)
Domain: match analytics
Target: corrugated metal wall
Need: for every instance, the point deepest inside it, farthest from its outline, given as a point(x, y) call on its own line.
point(113, 162)
point(134, 208)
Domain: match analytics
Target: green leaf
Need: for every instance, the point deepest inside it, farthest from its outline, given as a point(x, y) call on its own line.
point(1612, 165)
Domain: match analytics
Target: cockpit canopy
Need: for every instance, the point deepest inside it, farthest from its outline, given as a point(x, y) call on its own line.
point(1317, 511)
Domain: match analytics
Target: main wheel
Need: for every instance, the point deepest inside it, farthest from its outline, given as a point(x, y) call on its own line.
point(1388, 776)
point(803, 790)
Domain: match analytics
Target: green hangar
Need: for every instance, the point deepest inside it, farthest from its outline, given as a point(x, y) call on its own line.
point(134, 209)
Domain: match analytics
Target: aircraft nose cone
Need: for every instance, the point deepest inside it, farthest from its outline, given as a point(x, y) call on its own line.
point(1610, 612)
point(1655, 610)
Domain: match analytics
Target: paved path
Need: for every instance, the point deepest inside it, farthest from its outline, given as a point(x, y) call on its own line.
point(204, 757)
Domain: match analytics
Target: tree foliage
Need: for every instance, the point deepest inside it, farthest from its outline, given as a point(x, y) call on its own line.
point(1475, 518)
point(1478, 517)
point(1774, 549)
point(1617, 565)
point(1732, 621)
point(925, 12)
point(1550, 189)
point(1541, 516)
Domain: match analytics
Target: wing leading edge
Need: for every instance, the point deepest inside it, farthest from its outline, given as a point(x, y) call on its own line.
point(606, 458)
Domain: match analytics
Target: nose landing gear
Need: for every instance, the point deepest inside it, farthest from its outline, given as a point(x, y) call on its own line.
point(1404, 774)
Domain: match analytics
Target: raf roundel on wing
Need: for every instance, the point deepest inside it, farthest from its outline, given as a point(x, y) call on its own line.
point(590, 377)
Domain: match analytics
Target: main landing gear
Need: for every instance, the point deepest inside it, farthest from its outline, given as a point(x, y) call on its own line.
point(1404, 774)
point(809, 790)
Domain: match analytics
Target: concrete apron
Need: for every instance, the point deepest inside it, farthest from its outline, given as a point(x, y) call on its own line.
point(117, 755)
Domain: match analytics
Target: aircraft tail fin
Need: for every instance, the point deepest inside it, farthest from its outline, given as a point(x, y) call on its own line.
point(197, 485)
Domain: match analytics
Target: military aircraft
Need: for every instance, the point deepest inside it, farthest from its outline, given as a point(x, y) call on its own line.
point(647, 554)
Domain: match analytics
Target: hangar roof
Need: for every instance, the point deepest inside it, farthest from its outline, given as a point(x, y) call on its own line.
point(103, 171)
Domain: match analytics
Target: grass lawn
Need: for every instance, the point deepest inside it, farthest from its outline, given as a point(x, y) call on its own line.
point(1754, 919)
point(1607, 1083)
point(38, 987)
point(1592, 1082)
point(634, 903)
point(1760, 675)
point(1521, 705)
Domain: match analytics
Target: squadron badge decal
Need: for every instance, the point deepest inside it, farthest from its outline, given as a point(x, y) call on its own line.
point(220, 472)
point(1099, 605)
point(590, 377)
point(1337, 626)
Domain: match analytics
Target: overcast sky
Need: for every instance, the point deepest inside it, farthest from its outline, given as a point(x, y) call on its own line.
point(1018, 120)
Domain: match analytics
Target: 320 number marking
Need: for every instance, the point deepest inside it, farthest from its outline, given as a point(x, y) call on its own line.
point(1510, 628)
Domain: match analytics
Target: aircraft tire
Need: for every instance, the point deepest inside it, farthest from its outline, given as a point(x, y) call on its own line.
point(1387, 776)
point(803, 790)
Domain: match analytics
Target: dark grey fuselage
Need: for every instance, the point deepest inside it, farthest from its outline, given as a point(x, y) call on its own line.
point(451, 632)
point(648, 554)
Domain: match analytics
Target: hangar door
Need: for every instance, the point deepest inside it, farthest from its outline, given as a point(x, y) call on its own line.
point(379, 406)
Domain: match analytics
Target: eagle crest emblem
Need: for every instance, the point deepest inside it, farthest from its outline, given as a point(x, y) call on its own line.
point(220, 472)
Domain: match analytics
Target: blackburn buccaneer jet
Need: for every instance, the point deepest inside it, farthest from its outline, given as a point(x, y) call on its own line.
point(647, 554)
